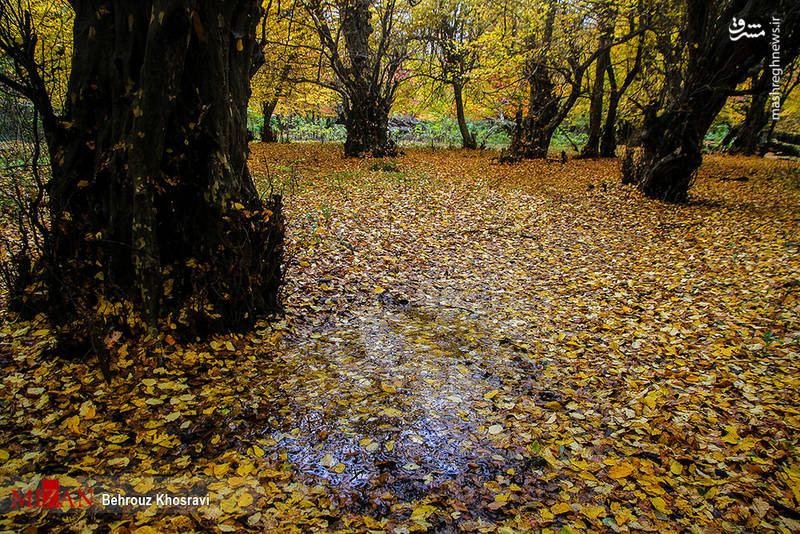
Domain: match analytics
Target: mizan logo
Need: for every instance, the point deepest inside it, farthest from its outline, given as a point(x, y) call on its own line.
point(50, 496)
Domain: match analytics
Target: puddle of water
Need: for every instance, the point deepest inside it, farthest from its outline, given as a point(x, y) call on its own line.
point(389, 399)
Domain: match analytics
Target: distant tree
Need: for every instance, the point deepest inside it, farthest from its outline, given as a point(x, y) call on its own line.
point(606, 15)
point(750, 135)
point(365, 64)
point(558, 51)
point(153, 213)
point(715, 65)
point(608, 141)
point(450, 31)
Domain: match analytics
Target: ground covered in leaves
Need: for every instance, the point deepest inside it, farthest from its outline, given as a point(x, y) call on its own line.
point(466, 347)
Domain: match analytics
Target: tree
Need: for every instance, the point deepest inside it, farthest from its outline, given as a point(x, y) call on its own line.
point(608, 141)
point(153, 215)
point(450, 29)
point(606, 15)
point(554, 70)
point(716, 64)
point(748, 138)
point(365, 65)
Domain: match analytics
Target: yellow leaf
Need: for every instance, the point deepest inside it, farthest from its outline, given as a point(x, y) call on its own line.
point(245, 499)
point(119, 438)
point(560, 508)
point(732, 436)
point(593, 512)
point(339, 468)
point(229, 505)
point(239, 45)
point(620, 470)
point(495, 429)
point(87, 410)
point(659, 504)
point(378, 290)
point(675, 467)
point(492, 394)
point(623, 516)
point(257, 451)
point(421, 513)
point(328, 461)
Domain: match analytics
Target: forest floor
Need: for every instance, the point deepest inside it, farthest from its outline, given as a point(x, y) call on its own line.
point(466, 347)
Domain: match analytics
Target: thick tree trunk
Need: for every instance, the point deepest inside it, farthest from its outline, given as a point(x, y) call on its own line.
point(367, 125)
point(592, 147)
point(267, 133)
point(672, 146)
point(672, 141)
point(533, 133)
point(467, 139)
point(151, 200)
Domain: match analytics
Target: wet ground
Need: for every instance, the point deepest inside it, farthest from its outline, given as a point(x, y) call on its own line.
point(466, 347)
point(395, 402)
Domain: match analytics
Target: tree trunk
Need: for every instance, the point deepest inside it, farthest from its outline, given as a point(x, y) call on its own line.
point(267, 133)
point(672, 141)
point(367, 125)
point(467, 139)
point(151, 200)
point(533, 133)
point(608, 143)
point(592, 147)
point(747, 139)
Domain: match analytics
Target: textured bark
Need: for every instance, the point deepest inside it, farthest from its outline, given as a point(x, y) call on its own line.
point(592, 147)
point(467, 139)
point(367, 125)
point(365, 72)
point(151, 200)
point(532, 133)
point(267, 133)
point(608, 142)
point(747, 138)
point(672, 141)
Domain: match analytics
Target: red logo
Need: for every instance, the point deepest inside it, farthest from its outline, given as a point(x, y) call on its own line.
point(50, 496)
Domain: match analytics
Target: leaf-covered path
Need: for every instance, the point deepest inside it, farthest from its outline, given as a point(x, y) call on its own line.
point(467, 347)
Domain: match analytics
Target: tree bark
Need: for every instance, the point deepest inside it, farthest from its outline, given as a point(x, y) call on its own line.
point(532, 134)
point(672, 141)
point(592, 147)
point(367, 126)
point(747, 139)
point(267, 133)
point(467, 139)
point(151, 200)
point(608, 142)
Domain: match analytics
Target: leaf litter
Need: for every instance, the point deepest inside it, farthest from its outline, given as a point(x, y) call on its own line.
point(467, 347)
